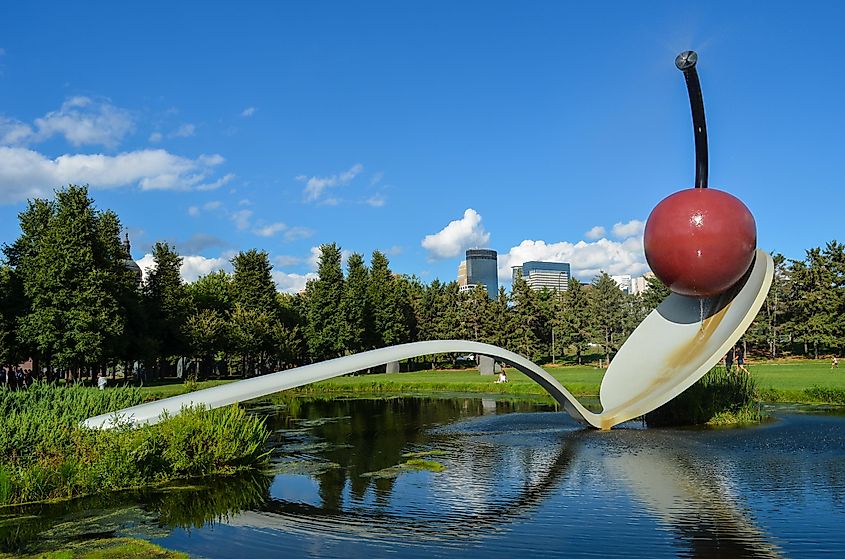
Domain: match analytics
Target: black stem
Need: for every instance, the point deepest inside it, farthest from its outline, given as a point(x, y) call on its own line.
point(686, 64)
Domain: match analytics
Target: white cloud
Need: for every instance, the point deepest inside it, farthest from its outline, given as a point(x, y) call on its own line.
point(244, 202)
point(225, 179)
point(586, 259)
point(212, 205)
point(248, 112)
point(193, 266)
point(286, 260)
point(376, 201)
point(269, 230)
point(292, 283)
point(633, 228)
point(297, 233)
point(596, 232)
point(376, 178)
point(456, 237)
point(13, 131)
point(25, 173)
point(242, 219)
point(314, 186)
point(193, 211)
point(155, 137)
point(184, 131)
point(83, 121)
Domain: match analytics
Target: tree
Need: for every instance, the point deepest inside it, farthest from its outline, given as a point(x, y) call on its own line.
point(525, 326)
point(575, 323)
point(355, 304)
point(390, 306)
point(654, 294)
point(168, 304)
point(324, 295)
point(214, 291)
point(206, 332)
point(815, 301)
point(70, 262)
point(606, 312)
point(252, 281)
point(12, 307)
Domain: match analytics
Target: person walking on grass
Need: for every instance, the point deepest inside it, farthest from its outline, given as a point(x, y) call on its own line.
point(835, 363)
point(739, 353)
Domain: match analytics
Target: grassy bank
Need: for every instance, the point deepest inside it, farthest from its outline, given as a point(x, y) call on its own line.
point(805, 381)
point(114, 548)
point(45, 454)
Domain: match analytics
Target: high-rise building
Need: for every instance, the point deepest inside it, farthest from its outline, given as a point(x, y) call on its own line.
point(544, 275)
point(482, 269)
point(640, 284)
point(462, 274)
point(624, 282)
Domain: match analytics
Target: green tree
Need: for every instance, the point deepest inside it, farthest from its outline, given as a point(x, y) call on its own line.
point(324, 296)
point(355, 305)
point(575, 322)
point(167, 305)
point(70, 261)
point(606, 302)
point(213, 291)
point(654, 294)
point(390, 306)
point(525, 322)
point(206, 332)
point(252, 281)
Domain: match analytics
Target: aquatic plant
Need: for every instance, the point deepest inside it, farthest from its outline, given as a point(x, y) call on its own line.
point(719, 397)
point(46, 454)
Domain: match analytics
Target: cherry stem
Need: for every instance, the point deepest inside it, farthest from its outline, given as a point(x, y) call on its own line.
point(686, 64)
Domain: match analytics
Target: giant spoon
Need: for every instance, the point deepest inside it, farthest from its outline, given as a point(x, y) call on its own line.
point(700, 242)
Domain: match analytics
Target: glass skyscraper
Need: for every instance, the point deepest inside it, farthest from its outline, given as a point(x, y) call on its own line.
point(482, 268)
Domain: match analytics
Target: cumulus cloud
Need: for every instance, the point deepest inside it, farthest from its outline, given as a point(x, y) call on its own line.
point(248, 112)
point(292, 283)
point(456, 237)
point(633, 228)
point(193, 266)
point(587, 259)
point(315, 186)
point(269, 230)
point(81, 121)
point(25, 173)
point(596, 232)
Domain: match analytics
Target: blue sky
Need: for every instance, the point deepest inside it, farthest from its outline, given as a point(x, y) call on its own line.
point(544, 130)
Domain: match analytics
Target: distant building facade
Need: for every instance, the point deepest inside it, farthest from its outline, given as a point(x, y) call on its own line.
point(544, 275)
point(462, 274)
point(482, 268)
point(623, 281)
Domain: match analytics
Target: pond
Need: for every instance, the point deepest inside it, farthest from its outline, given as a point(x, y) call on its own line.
point(517, 478)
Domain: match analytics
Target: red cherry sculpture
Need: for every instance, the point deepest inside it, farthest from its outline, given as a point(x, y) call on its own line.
point(700, 241)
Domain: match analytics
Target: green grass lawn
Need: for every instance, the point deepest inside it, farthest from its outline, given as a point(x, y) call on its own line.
point(777, 381)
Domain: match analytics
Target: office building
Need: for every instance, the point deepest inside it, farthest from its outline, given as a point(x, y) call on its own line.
point(640, 284)
point(482, 269)
point(624, 282)
point(462, 274)
point(544, 275)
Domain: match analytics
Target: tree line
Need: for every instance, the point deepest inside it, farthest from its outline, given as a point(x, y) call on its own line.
point(68, 301)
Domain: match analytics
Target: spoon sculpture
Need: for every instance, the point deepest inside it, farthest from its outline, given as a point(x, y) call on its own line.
point(700, 242)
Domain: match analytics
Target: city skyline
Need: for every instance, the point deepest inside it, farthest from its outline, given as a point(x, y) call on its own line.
point(420, 133)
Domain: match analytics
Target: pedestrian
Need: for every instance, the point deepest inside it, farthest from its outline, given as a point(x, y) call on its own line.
point(739, 353)
point(729, 360)
point(101, 381)
point(835, 363)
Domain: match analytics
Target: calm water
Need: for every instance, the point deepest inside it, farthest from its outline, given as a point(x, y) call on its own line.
point(519, 479)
